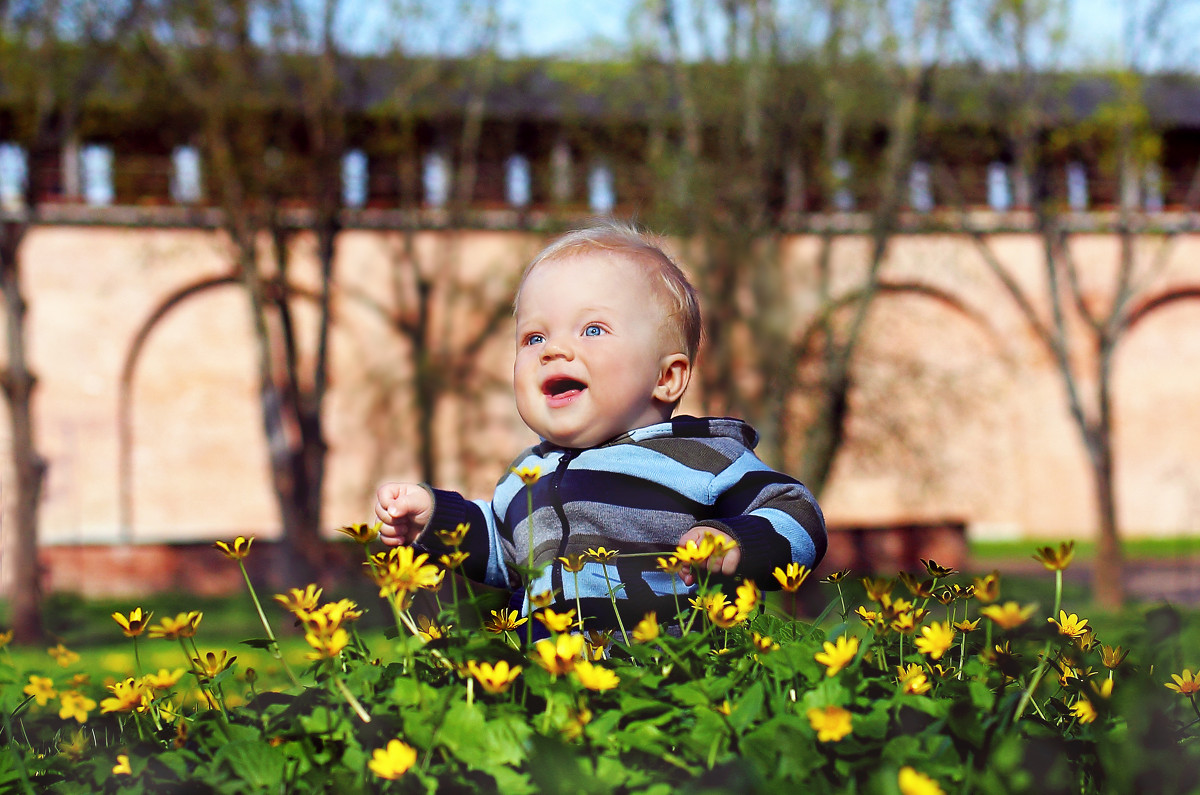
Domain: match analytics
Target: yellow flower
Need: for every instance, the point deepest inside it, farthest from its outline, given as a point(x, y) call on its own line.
point(128, 695)
point(428, 630)
point(1112, 657)
point(831, 723)
point(724, 615)
point(212, 664)
point(494, 678)
point(63, 656)
point(325, 646)
point(573, 562)
point(239, 549)
point(503, 621)
point(6, 638)
point(836, 577)
point(577, 718)
point(935, 639)
point(722, 544)
point(42, 689)
point(1083, 710)
point(1070, 625)
point(297, 601)
point(559, 656)
point(1056, 559)
point(528, 474)
point(935, 570)
point(555, 622)
point(913, 782)
point(746, 598)
point(877, 588)
point(1009, 615)
point(1185, 684)
point(987, 588)
point(763, 643)
point(646, 630)
point(669, 564)
point(1104, 689)
point(905, 623)
point(392, 762)
point(543, 599)
point(454, 538)
point(163, 680)
point(837, 656)
point(402, 570)
point(594, 677)
point(454, 559)
point(792, 577)
point(597, 644)
point(724, 708)
point(868, 616)
point(966, 626)
point(362, 533)
point(182, 626)
point(695, 552)
point(600, 554)
point(912, 679)
point(134, 624)
point(75, 705)
point(122, 768)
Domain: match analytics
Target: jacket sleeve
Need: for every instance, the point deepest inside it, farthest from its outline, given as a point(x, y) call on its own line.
point(484, 561)
point(774, 518)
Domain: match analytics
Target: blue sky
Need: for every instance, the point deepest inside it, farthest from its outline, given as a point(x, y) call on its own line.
point(546, 27)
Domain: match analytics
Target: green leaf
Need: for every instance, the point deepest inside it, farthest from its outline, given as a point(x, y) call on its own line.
point(258, 643)
point(258, 763)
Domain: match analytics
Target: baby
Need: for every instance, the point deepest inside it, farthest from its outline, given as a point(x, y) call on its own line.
point(608, 328)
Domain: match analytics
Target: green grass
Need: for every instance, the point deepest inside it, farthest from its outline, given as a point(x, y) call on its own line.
point(1134, 548)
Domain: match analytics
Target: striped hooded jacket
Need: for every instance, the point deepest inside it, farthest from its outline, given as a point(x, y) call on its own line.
point(636, 494)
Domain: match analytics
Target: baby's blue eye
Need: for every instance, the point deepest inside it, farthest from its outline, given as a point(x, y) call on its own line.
point(534, 339)
point(593, 331)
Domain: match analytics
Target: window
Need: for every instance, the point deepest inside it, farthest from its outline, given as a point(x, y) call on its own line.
point(96, 163)
point(920, 187)
point(186, 183)
point(999, 187)
point(1077, 186)
point(14, 175)
point(517, 181)
point(601, 196)
point(436, 178)
point(354, 178)
point(843, 197)
point(1152, 189)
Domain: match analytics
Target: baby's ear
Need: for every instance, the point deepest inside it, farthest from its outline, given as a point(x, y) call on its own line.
point(674, 373)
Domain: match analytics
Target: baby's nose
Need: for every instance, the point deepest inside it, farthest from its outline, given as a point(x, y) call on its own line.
point(556, 348)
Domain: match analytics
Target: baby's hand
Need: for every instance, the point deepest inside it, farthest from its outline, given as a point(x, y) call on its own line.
point(724, 564)
point(404, 509)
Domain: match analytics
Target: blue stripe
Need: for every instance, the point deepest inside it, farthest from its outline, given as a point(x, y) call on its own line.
point(803, 549)
point(640, 462)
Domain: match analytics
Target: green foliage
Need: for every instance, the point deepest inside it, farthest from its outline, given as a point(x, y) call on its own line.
point(768, 703)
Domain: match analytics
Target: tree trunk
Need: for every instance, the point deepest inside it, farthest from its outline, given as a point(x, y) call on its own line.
point(30, 467)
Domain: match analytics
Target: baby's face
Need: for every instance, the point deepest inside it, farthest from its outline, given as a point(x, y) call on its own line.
point(590, 350)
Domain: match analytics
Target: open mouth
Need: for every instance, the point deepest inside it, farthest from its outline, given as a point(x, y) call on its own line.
point(562, 388)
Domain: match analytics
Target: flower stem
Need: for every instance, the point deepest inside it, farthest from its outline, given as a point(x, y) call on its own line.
point(351, 700)
point(275, 650)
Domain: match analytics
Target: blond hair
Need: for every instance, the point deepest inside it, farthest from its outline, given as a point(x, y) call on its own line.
point(641, 248)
